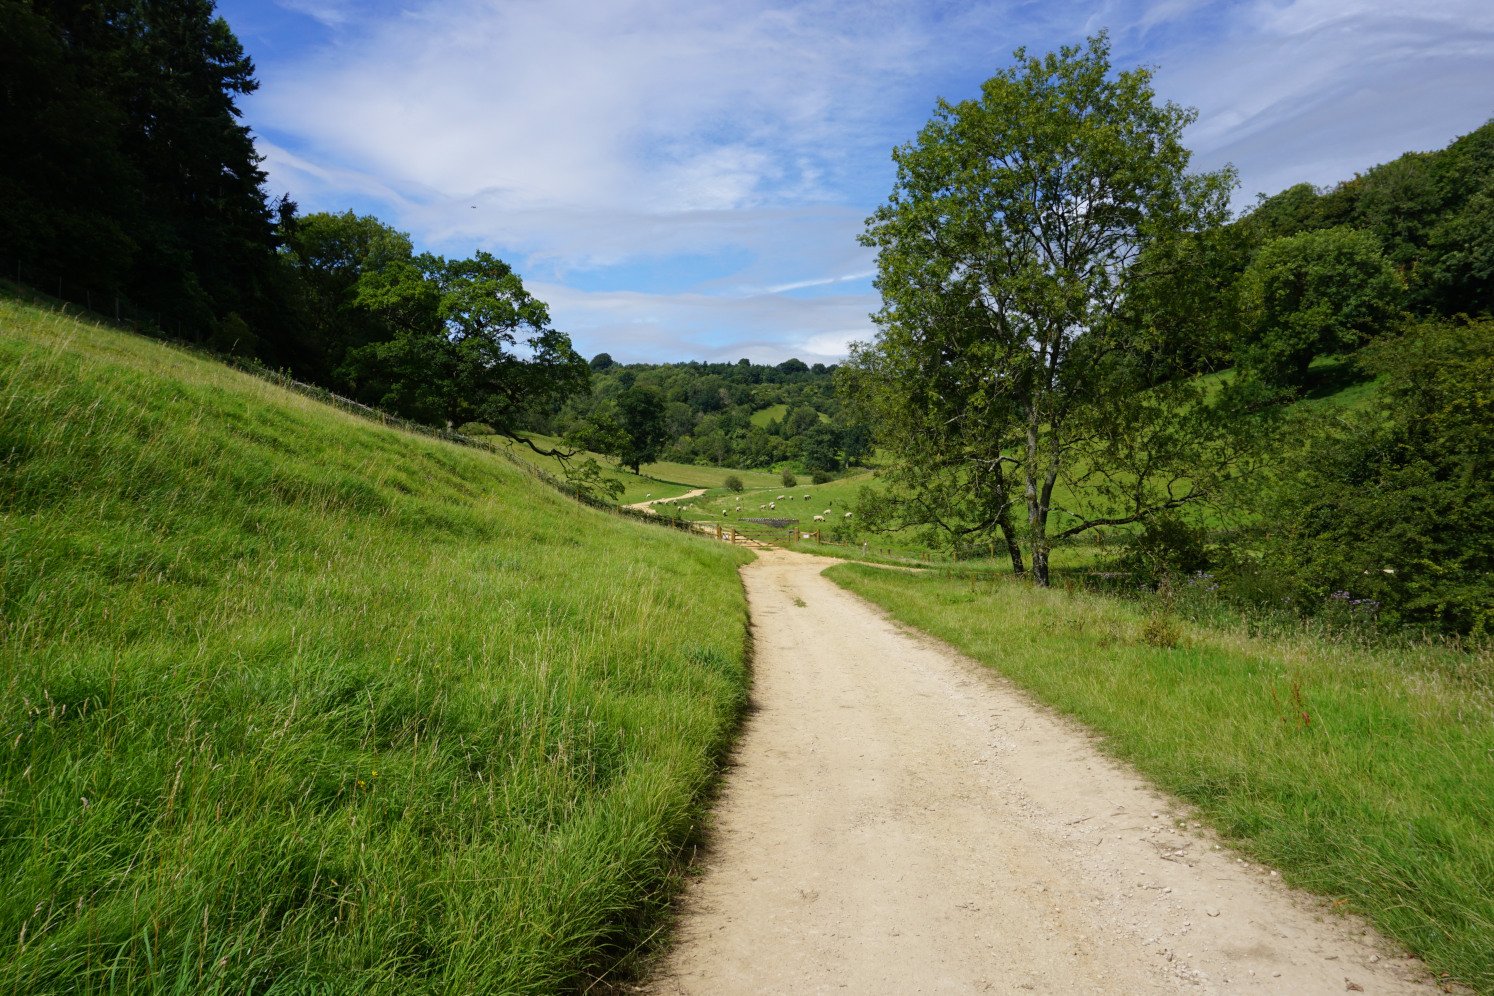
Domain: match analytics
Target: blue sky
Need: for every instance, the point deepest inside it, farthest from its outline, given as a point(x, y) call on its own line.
point(685, 179)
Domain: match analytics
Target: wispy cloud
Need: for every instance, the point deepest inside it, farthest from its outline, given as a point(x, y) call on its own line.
point(332, 13)
point(763, 327)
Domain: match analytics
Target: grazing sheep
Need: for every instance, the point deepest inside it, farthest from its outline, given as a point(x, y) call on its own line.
point(848, 515)
point(780, 497)
point(772, 504)
point(819, 518)
point(825, 512)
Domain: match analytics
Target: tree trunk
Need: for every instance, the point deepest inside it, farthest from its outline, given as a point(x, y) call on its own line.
point(1040, 563)
point(1013, 547)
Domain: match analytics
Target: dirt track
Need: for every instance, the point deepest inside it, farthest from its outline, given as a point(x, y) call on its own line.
point(648, 506)
point(900, 820)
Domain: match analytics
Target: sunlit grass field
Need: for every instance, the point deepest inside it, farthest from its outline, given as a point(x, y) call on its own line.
point(1364, 774)
point(292, 702)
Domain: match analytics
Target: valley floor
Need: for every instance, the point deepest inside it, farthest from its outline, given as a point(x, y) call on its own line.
point(898, 819)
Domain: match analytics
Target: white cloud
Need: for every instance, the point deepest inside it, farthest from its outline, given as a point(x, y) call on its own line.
point(1316, 90)
point(766, 328)
point(577, 137)
point(638, 105)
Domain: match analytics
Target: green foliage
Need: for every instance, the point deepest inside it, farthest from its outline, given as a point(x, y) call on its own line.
point(1318, 292)
point(788, 479)
point(127, 170)
point(1388, 508)
point(293, 702)
point(718, 414)
point(465, 341)
point(1166, 548)
point(732, 483)
point(1460, 272)
point(1380, 798)
point(345, 264)
point(1004, 360)
point(1428, 212)
point(641, 416)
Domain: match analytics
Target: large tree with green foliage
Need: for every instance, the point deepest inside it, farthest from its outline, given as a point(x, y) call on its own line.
point(1005, 370)
point(467, 343)
point(641, 414)
point(1317, 292)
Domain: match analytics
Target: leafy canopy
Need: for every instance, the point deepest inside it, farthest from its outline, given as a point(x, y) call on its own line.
point(1312, 293)
point(1006, 360)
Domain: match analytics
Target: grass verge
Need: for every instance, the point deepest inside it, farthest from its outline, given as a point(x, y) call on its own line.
point(293, 702)
point(1366, 775)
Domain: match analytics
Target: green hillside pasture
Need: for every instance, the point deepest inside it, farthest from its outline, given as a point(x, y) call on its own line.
point(697, 476)
point(658, 480)
point(1380, 796)
point(841, 537)
point(296, 703)
point(773, 413)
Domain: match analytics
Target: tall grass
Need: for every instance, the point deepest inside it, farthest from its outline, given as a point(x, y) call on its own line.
point(291, 702)
point(1365, 774)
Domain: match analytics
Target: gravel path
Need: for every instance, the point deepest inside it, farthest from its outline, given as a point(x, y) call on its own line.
point(900, 820)
point(648, 506)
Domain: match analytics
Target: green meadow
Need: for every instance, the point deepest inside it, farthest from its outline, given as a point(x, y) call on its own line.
point(293, 702)
point(664, 479)
point(1362, 772)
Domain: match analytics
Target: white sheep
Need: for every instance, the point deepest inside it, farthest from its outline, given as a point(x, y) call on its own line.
point(780, 497)
point(819, 518)
point(848, 515)
point(772, 504)
point(825, 512)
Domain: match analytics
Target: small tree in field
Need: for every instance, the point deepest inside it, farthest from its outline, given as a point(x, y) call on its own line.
point(732, 483)
point(1004, 372)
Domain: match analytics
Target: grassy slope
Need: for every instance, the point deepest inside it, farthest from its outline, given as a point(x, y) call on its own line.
point(773, 413)
point(1383, 798)
point(295, 702)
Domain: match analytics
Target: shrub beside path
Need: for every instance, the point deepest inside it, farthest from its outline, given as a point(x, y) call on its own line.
point(899, 820)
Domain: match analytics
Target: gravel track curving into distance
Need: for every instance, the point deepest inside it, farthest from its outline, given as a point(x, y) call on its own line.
point(899, 819)
point(648, 506)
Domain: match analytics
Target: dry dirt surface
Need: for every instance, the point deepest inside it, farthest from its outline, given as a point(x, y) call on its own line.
point(899, 819)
